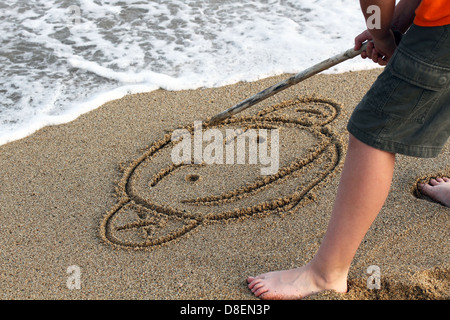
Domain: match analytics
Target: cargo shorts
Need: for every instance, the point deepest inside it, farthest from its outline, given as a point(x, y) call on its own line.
point(407, 109)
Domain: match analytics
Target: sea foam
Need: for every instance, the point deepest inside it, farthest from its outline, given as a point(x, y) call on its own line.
point(61, 58)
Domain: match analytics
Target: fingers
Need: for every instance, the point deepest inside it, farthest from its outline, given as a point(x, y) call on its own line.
point(361, 38)
point(358, 44)
point(375, 55)
point(382, 61)
point(371, 52)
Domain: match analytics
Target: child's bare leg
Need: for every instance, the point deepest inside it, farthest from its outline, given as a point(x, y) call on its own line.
point(437, 189)
point(363, 188)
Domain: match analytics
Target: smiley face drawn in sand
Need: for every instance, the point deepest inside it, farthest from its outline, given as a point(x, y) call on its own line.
point(160, 201)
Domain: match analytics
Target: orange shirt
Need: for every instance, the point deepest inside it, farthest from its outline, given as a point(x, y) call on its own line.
point(433, 13)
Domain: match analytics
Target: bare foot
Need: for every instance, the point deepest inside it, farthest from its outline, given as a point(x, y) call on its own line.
point(437, 189)
point(292, 284)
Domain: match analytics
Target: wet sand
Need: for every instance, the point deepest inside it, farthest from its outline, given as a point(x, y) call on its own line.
point(63, 186)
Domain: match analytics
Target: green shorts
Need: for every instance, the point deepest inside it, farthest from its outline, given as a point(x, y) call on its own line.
point(407, 109)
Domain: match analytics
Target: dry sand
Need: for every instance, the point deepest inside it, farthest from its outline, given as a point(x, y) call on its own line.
point(63, 188)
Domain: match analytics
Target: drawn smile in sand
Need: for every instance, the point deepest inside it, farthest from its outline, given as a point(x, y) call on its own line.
point(160, 201)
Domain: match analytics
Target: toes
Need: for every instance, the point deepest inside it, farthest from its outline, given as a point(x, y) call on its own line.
point(426, 189)
point(250, 279)
point(260, 292)
point(252, 282)
point(437, 189)
point(433, 182)
point(255, 285)
point(423, 186)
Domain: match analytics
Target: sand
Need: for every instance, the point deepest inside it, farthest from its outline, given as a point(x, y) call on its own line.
point(101, 194)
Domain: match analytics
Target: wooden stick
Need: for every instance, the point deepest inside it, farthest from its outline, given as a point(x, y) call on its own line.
point(321, 66)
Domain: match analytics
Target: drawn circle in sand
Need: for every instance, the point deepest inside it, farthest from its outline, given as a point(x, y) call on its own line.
point(160, 201)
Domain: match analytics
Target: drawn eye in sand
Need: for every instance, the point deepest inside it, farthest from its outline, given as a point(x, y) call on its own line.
point(160, 201)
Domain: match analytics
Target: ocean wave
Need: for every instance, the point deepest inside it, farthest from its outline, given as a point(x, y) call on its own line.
point(62, 58)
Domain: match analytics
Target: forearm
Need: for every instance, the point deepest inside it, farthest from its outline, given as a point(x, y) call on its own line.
point(404, 14)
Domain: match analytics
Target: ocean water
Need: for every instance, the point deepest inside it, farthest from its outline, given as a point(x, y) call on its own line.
point(62, 58)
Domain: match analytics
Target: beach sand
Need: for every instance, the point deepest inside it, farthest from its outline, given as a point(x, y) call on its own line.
point(63, 188)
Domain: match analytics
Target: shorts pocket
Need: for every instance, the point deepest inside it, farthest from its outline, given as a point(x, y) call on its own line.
point(422, 74)
point(418, 87)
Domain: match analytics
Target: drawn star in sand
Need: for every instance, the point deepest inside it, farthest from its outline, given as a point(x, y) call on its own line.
point(160, 201)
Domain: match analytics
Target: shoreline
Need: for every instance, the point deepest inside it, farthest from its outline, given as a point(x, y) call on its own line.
point(101, 98)
point(59, 184)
